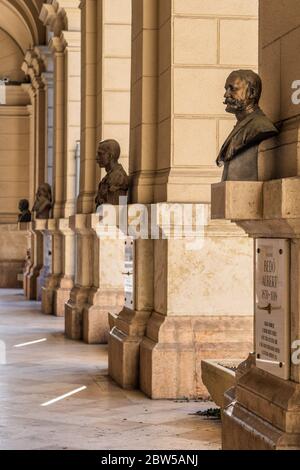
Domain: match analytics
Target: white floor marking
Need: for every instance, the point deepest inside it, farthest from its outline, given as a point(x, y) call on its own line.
point(64, 396)
point(30, 342)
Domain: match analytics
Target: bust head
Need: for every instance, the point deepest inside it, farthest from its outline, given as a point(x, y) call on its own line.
point(108, 153)
point(44, 192)
point(43, 201)
point(242, 92)
point(23, 205)
point(25, 214)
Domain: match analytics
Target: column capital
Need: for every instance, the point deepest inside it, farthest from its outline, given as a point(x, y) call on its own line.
point(36, 62)
point(57, 44)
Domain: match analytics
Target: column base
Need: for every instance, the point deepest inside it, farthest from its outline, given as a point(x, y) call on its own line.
point(74, 312)
point(31, 283)
point(174, 346)
point(95, 314)
point(265, 414)
point(48, 291)
point(62, 295)
point(26, 275)
point(41, 281)
point(124, 346)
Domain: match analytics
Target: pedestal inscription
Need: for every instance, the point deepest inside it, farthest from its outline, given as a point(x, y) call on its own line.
point(272, 306)
point(129, 273)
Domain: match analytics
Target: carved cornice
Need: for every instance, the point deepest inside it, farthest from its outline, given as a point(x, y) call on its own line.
point(37, 62)
point(61, 15)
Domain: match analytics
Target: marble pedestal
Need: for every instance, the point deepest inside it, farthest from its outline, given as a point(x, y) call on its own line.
point(182, 308)
point(264, 412)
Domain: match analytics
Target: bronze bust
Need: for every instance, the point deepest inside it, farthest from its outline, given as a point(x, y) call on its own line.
point(25, 214)
point(116, 182)
point(43, 201)
point(239, 153)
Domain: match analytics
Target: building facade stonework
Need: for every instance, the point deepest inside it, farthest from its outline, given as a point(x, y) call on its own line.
point(150, 75)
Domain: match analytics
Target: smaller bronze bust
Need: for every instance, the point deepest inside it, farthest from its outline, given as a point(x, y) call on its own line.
point(43, 201)
point(239, 153)
point(25, 214)
point(116, 182)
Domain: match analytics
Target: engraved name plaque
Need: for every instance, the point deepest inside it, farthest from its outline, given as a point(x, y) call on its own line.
point(129, 273)
point(272, 271)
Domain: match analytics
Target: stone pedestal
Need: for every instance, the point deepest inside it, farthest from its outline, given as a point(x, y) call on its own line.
point(107, 293)
point(24, 226)
point(183, 307)
point(41, 226)
point(83, 276)
point(52, 281)
point(264, 413)
point(128, 328)
point(194, 316)
point(66, 280)
point(37, 262)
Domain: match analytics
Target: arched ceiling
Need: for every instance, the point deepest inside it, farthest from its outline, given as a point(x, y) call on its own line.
point(20, 19)
point(11, 58)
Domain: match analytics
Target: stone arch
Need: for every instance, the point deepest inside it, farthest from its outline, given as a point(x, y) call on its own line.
point(11, 58)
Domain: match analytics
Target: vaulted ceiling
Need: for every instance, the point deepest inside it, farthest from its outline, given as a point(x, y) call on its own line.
point(20, 30)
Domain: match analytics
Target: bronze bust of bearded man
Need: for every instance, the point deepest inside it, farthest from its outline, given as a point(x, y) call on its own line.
point(239, 153)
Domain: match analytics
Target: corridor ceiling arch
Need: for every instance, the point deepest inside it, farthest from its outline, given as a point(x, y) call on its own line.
point(20, 20)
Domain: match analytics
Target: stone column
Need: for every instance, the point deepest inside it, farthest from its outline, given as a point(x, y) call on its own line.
point(113, 62)
point(38, 67)
point(128, 327)
point(72, 41)
point(263, 413)
point(66, 281)
point(37, 258)
point(48, 291)
point(31, 109)
point(63, 19)
point(178, 123)
point(33, 68)
point(83, 276)
point(85, 201)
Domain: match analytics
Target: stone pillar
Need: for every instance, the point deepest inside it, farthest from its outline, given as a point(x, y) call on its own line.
point(85, 201)
point(33, 69)
point(28, 260)
point(31, 109)
point(105, 114)
point(128, 327)
point(113, 61)
point(63, 19)
point(83, 276)
point(264, 411)
point(72, 42)
point(66, 281)
point(179, 68)
point(57, 47)
point(37, 259)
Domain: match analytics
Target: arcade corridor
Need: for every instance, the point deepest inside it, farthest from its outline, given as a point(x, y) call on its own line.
point(103, 416)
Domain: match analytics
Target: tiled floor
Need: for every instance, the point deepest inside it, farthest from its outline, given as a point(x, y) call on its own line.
point(102, 416)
